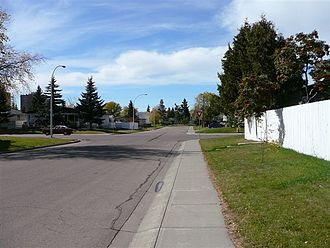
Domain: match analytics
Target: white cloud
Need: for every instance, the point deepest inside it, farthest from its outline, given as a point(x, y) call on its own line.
point(190, 66)
point(290, 16)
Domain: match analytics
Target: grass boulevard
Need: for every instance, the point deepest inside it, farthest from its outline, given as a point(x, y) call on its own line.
point(274, 197)
point(218, 130)
point(12, 143)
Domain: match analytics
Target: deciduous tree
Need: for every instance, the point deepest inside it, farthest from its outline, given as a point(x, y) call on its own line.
point(112, 108)
point(209, 104)
point(15, 67)
point(301, 57)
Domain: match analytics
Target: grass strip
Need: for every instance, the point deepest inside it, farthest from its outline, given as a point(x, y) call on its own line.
point(218, 130)
point(278, 197)
point(9, 144)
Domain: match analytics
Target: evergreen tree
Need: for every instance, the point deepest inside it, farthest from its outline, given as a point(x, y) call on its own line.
point(177, 113)
point(185, 114)
point(130, 111)
point(248, 84)
point(168, 113)
point(162, 111)
point(90, 105)
point(39, 107)
point(58, 102)
point(4, 104)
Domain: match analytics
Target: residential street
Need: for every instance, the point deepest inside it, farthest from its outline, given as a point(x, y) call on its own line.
point(80, 195)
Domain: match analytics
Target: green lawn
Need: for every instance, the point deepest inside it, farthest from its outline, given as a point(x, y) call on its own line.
point(8, 143)
point(279, 198)
point(199, 129)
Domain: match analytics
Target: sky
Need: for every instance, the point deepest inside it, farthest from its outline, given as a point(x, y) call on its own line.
point(167, 49)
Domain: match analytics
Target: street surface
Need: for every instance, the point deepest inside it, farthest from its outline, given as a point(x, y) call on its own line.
point(80, 195)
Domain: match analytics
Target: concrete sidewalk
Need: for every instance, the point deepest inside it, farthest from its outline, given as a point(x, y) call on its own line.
point(186, 212)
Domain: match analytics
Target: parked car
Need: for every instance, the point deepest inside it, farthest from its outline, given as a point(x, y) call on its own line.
point(59, 129)
point(215, 125)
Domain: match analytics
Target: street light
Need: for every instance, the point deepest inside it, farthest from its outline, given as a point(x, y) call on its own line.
point(51, 100)
point(134, 104)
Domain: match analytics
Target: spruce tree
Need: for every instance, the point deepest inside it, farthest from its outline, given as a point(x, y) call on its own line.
point(91, 106)
point(185, 111)
point(130, 110)
point(4, 105)
point(58, 102)
point(248, 83)
point(162, 110)
point(39, 107)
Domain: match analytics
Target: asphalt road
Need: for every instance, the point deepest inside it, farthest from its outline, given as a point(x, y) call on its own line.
point(80, 195)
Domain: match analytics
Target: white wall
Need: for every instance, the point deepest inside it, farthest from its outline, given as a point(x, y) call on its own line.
point(303, 128)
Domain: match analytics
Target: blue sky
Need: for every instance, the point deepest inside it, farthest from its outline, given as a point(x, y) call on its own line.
point(168, 49)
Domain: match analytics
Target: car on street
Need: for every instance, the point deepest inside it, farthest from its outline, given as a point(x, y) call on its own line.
point(59, 129)
point(215, 125)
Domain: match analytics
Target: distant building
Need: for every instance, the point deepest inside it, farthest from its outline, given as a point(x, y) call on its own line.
point(26, 101)
point(144, 118)
point(17, 120)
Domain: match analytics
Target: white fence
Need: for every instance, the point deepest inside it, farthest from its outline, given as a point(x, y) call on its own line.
point(303, 128)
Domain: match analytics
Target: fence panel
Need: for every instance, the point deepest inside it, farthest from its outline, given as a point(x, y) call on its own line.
point(303, 128)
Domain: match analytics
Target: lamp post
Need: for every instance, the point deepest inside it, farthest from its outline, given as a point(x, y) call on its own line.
point(51, 100)
point(134, 104)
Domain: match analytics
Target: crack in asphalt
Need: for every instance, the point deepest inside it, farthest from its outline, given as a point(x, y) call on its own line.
point(157, 137)
point(131, 197)
point(153, 174)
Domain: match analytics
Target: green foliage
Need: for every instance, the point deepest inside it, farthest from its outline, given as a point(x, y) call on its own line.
point(185, 114)
point(249, 71)
point(155, 116)
point(4, 105)
point(91, 106)
point(255, 95)
point(218, 130)
point(301, 56)
point(58, 102)
point(162, 111)
point(209, 104)
point(321, 75)
point(112, 108)
point(40, 108)
point(175, 115)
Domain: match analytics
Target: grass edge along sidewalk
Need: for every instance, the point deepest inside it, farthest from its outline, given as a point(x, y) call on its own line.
point(276, 197)
point(11, 144)
point(199, 129)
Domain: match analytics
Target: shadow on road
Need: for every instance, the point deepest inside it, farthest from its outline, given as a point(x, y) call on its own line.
point(95, 152)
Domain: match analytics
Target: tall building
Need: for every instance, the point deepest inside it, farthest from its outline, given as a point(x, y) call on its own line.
point(26, 101)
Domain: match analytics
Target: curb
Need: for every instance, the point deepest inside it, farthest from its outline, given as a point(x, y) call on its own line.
point(148, 231)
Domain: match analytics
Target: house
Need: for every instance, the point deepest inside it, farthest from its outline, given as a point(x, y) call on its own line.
point(144, 118)
point(17, 120)
point(26, 102)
